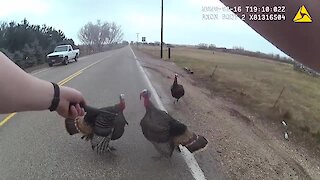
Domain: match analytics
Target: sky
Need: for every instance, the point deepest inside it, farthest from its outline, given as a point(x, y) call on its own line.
point(184, 21)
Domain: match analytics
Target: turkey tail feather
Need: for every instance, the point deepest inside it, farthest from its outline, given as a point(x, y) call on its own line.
point(191, 141)
point(199, 142)
point(71, 127)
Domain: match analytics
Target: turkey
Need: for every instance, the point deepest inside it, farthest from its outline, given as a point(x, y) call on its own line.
point(100, 125)
point(177, 90)
point(166, 133)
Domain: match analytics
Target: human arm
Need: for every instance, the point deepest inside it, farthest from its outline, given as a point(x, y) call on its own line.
point(21, 91)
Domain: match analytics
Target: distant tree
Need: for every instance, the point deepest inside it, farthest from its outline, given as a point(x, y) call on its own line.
point(238, 48)
point(203, 46)
point(125, 42)
point(99, 34)
point(69, 42)
point(86, 34)
point(7, 53)
point(115, 33)
point(27, 44)
point(212, 47)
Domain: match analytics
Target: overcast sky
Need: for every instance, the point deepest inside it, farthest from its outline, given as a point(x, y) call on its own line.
point(183, 20)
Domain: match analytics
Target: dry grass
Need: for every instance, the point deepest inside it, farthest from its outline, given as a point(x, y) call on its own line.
point(256, 83)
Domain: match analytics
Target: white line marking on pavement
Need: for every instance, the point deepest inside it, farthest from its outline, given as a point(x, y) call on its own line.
point(191, 161)
point(135, 57)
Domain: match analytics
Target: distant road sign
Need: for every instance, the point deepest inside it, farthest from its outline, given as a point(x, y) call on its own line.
point(143, 39)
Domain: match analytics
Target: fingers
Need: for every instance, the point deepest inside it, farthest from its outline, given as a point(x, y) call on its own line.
point(82, 112)
point(76, 111)
point(78, 108)
point(71, 103)
point(73, 113)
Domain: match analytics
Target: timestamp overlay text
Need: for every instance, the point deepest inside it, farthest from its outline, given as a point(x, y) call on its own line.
point(245, 13)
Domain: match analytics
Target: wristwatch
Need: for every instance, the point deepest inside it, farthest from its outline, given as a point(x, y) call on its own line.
point(56, 97)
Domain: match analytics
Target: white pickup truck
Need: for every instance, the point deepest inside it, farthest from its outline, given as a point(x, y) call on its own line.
point(63, 54)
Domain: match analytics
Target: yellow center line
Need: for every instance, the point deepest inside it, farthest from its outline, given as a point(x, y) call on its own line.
point(90, 65)
point(60, 83)
point(7, 118)
point(69, 78)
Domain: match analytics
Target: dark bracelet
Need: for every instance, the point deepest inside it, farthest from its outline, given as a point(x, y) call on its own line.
point(56, 97)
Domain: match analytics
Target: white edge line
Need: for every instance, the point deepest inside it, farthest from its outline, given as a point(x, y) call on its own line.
point(191, 161)
point(135, 57)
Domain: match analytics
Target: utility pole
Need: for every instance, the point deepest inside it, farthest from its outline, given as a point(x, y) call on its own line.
point(137, 38)
point(161, 28)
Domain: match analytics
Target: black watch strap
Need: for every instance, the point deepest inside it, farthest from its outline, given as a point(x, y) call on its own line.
point(56, 97)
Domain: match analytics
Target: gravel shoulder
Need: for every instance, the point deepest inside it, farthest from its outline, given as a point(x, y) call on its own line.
point(242, 145)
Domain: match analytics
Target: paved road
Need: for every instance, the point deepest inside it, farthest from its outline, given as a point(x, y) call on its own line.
point(35, 145)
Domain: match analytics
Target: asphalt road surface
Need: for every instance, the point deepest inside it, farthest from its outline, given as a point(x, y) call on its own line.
point(35, 145)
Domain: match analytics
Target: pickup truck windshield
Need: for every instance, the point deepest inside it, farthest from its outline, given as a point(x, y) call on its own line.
point(61, 48)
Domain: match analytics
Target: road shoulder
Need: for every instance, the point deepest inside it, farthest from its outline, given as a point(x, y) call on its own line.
point(241, 146)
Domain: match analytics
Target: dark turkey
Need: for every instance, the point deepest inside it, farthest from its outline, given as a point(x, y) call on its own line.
point(177, 90)
point(100, 125)
point(166, 133)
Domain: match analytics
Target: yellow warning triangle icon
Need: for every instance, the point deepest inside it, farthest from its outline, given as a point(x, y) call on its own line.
point(302, 16)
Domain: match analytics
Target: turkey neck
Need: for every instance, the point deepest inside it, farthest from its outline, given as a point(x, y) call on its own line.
point(175, 80)
point(147, 103)
point(122, 105)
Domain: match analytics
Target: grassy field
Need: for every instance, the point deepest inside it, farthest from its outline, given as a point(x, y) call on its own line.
point(256, 83)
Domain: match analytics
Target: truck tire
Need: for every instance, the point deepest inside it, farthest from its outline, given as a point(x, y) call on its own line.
point(65, 61)
point(50, 64)
point(76, 57)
